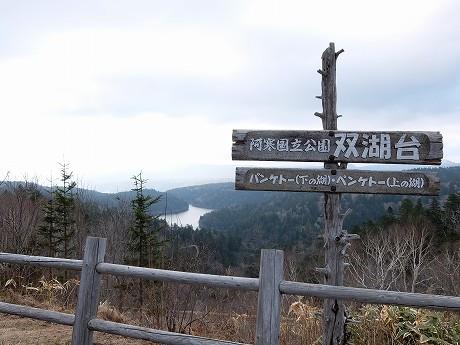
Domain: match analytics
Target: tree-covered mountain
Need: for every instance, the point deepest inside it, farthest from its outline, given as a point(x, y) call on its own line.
point(167, 203)
point(219, 195)
point(292, 221)
point(248, 210)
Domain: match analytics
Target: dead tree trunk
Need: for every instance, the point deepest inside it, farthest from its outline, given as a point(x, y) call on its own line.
point(336, 239)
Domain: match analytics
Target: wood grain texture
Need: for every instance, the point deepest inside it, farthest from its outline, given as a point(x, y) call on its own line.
point(334, 313)
point(41, 261)
point(372, 296)
point(37, 314)
point(430, 149)
point(88, 291)
point(337, 180)
point(269, 299)
point(154, 335)
point(240, 283)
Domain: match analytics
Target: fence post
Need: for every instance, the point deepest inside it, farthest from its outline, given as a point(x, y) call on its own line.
point(269, 301)
point(88, 292)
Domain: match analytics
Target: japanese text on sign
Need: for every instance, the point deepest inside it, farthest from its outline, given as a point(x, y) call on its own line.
point(328, 180)
point(346, 145)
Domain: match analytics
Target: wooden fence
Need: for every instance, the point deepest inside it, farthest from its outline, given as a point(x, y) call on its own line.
point(270, 286)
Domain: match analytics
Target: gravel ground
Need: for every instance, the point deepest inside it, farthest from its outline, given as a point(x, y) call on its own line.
point(22, 331)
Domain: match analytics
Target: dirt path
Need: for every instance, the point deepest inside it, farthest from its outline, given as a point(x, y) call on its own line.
point(22, 331)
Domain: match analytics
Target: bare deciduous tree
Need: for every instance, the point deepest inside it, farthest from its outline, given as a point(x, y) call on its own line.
point(376, 261)
point(19, 217)
point(393, 258)
point(445, 270)
point(418, 257)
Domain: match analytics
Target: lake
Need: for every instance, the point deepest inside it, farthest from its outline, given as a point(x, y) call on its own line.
point(190, 217)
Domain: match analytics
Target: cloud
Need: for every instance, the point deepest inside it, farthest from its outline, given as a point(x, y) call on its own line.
point(86, 79)
point(259, 60)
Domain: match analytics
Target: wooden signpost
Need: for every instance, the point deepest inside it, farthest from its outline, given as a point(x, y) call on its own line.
point(336, 149)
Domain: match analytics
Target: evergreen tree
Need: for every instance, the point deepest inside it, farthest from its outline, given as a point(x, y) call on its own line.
point(418, 208)
point(451, 216)
point(435, 214)
point(64, 204)
point(47, 230)
point(434, 206)
point(406, 210)
point(143, 241)
point(452, 203)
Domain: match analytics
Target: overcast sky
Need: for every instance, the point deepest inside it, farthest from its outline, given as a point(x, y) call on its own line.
point(115, 87)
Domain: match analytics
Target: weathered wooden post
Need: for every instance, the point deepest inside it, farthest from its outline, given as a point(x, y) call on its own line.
point(269, 299)
point(336, 239)
point(88, 291)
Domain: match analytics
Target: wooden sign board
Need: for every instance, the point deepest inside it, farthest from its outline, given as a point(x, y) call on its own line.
point(340, 181)
point(338, 146)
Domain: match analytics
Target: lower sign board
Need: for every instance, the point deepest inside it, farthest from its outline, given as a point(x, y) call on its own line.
point(340, 181)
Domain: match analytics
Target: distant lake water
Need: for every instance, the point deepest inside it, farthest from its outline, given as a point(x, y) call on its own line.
point(190, 217)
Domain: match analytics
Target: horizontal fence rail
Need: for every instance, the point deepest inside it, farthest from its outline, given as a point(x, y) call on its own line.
point(154, 335)
point(230, 282)
point(371, 296)
point(270, 285)
point(41, 261)
point(37, 313)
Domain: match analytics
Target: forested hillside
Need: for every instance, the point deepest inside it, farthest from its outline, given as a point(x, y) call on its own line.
point(219, 195)
point(166, 204)
point(250, 210)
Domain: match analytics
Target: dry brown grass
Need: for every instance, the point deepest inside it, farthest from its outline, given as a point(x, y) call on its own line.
point(110, 313)
point(302, 324)
point(301, 321)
